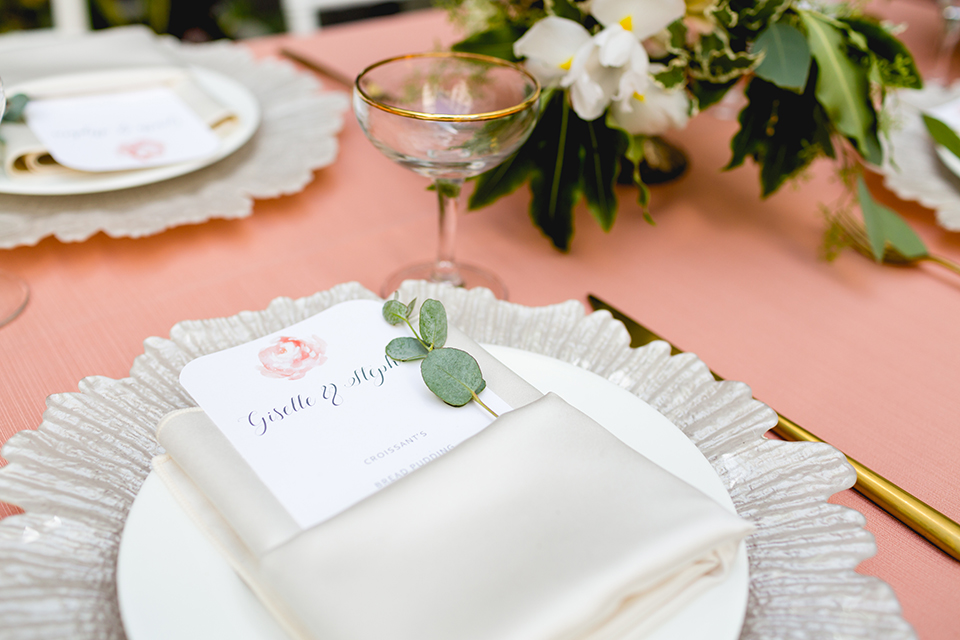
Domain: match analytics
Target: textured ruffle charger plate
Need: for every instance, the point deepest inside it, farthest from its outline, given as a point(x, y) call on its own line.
point(172, 582)
point(297, 135)
point(78, 474)
point(225, 90)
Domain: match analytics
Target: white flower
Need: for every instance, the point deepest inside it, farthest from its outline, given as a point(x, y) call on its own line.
point(611, 66)
point(643, 18)
point(550, 46)
point(653, 111)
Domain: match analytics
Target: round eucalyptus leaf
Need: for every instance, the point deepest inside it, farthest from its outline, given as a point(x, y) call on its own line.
point(406, 349)
point(453, 375)
point(433, 323)
point(394, 311)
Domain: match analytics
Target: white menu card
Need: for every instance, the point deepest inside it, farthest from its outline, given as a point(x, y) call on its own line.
point(323, 416)
point(120, 131)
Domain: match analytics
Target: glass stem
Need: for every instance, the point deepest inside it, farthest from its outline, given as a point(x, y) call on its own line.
point(445, 269)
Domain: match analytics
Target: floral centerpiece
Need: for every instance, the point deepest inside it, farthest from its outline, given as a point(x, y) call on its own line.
point(617, 72)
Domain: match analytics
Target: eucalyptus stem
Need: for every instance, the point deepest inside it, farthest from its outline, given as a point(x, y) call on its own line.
point(477, 399)
point(428, 347)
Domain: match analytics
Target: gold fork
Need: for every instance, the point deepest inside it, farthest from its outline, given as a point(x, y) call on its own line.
point(848, 231)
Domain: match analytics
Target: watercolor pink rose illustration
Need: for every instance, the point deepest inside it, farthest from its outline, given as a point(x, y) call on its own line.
point(292, 358)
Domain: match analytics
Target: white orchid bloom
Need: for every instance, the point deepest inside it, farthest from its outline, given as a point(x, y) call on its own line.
point(643, 18)
point(614, 65)
point(653, 111)
point(550, 47)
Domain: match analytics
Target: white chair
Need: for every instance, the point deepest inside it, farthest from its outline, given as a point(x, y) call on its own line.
point(303, 16)
point(70, 16)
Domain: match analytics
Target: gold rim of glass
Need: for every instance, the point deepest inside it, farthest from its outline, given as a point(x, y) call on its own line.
point(442, 117)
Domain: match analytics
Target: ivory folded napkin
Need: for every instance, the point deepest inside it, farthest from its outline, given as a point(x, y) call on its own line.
point(542, 526)
point(114, 60)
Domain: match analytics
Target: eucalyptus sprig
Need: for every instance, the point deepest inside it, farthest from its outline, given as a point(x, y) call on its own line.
point(453, 375)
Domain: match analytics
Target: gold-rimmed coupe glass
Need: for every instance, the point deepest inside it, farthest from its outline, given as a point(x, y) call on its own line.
point(14, 292)
point(447, 116)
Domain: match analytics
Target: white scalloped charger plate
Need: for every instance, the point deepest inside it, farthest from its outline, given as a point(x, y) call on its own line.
point(172, 583)
point(78, 473)
point(225, 90)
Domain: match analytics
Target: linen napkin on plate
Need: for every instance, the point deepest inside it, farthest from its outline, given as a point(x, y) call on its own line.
point(542, 526)
point(120, 59)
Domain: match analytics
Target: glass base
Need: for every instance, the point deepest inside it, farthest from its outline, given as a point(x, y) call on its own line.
point(460, 275)
point(14, 294)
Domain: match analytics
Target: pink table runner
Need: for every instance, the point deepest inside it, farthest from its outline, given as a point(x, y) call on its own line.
point(865, 356)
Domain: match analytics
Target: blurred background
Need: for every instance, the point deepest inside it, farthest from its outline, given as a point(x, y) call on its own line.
point(190, 20)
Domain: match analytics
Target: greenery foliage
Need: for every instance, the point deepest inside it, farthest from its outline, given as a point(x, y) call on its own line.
point(814, 77)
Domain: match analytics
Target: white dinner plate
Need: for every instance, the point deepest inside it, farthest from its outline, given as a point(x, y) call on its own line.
point(172, 583)
point(225, 90)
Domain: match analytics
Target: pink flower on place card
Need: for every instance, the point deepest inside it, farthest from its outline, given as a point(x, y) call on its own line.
point(142, 150)
point(292, 358)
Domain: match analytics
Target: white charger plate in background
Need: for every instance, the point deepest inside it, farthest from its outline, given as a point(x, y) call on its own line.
point(172, 583)
point(225, 90)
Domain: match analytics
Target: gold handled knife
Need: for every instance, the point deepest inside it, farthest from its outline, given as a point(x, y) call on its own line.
point(317, 67)
point(913, 512)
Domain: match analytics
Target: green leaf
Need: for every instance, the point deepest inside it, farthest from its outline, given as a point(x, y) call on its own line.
point(502, 180)
point(556, 185)
point(446, 188)
point(673, 76)
point(496, 42)
point(782, 131)
point(406, 348)
point(14, 108)
point(884, 226)
point(842, 86)
point(564, 9)
point(709, 93)
point(433, 323)
point(453, 375)
point(942, 134)
point(603, 146)
point(892, 60)
point(786, 59)
point(395, 311)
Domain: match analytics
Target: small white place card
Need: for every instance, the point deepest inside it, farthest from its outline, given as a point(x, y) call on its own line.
point(120, 131)
point(323, 416)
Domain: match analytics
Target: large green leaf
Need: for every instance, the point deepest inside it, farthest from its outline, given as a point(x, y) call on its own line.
point(507, 176)
point(556, 182)
point(783, 132)
point(842, 86)
point(884, 226)
point(942, 134)
point(603, 148)
point(564, 9)
point(786, 56)
point(892, 60)
point(496, 42)
point(709, 93)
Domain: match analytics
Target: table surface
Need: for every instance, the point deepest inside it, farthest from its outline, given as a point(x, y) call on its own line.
point(863, 355)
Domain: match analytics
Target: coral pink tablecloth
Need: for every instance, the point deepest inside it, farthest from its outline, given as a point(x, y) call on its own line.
point(865, 356)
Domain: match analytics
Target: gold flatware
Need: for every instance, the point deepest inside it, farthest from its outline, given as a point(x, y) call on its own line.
point(913, 512)
point(318, 67)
